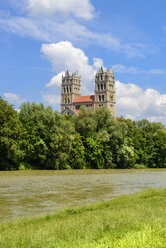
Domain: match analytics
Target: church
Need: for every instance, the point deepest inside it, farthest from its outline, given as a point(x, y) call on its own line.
point(104, 93)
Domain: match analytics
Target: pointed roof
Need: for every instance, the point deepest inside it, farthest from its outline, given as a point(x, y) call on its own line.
point(111, 71)
point(70, 111)
point(76, 111)
point(101, 70)
point(84, 99)
point(67, 73)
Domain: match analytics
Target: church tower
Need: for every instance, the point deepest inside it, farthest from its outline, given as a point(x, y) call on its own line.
point(70, 88)
point(105, 90)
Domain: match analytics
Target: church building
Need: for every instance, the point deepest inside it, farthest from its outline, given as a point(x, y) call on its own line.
point(104, 93)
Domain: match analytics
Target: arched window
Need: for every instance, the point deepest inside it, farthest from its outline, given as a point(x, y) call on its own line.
point(67, 90)
point(64, 89)
point(101, 86)
point(70, 89)
point(99, 98)
point(101, 77)
point(98, 86)
point(102, 97)
point(111, 98)
point(105, 86)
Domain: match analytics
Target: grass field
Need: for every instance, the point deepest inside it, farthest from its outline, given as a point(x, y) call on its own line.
point(136, 221)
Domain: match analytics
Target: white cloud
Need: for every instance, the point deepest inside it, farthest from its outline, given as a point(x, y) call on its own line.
point(97, 63)
point(13, 98)
point(156, 71)
point(123, 69)
point(135, 103)
point(4, 13)
point(54, 21)
point(52, 99)
point(56, 80)
point(132, 101)
point(79, 8)
point(52, 30)
point(119, 68)
point(64, 56)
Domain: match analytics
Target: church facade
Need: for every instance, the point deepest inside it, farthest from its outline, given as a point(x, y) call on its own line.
point(104, 93)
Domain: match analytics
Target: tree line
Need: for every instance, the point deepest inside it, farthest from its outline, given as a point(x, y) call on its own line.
point(37, 137)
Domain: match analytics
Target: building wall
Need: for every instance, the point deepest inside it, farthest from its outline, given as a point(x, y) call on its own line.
point(70, 88)
point(89, 105)
point(104, 91)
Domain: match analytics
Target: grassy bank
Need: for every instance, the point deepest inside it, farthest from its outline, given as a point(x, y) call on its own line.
point(137, 221)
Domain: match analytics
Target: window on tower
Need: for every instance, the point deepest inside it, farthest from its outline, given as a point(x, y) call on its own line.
point(111, 98)
point(101, 86)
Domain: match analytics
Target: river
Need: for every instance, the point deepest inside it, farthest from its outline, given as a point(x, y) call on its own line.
point(29, 193)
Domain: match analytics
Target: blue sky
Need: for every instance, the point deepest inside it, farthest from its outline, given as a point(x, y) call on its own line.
point(39, 40)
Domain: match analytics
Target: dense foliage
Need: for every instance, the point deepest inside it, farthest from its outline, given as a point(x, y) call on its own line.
point(40, 138)
point(11, 153)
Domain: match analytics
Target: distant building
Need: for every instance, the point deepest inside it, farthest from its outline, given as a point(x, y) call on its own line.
point(71, 99)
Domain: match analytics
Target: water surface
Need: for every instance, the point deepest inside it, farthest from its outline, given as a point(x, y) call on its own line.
point(43, 192)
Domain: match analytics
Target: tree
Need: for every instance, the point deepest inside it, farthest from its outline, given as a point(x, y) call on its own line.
point(77, 153)
point(125, 156)
point(154, 134)
point(10, 137)
point(94, 153)
point(85, 123)
point(48, 137)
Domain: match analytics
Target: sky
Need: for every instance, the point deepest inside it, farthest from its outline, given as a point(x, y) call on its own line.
point(41, 39)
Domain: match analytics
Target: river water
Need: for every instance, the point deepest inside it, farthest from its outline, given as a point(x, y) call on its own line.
point(43, 192)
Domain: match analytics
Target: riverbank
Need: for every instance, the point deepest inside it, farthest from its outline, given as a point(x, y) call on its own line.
point(29, 172)
point(137, 220)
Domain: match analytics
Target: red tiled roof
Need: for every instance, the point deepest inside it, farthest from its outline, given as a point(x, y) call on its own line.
point(118, 118)
point(76, 110)
point(84, 98)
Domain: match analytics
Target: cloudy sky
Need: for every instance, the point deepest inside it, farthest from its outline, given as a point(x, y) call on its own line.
point(40, 39)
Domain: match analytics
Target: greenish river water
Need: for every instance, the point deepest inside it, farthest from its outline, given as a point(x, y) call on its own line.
point(42, 192)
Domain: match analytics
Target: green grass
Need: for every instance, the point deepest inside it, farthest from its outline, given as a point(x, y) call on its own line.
point(136, 221)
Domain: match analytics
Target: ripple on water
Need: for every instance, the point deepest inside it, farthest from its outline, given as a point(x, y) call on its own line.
point(38, 193)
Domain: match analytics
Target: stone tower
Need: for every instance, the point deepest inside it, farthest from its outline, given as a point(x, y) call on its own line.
point(105, 90)
point(70, 88)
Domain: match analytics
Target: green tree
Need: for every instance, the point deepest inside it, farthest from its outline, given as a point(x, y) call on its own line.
point(48, 138)
point(10, 137)
point(94, 153)
point(125, 156)
point(154, 134)
point(85, 123)
point(77, 153)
